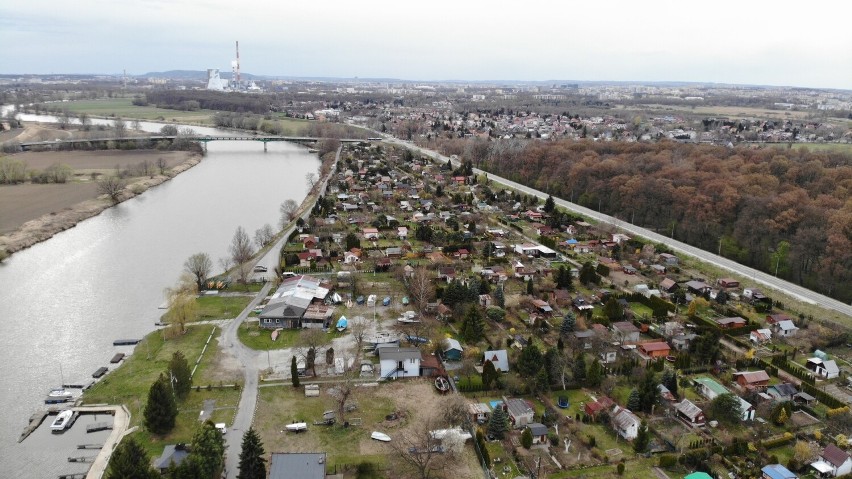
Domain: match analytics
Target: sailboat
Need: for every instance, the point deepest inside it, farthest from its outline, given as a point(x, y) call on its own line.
point(60, 394)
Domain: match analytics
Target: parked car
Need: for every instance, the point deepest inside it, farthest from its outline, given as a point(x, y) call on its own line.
point(260, 269)
point(386, 301)
point(360, 300)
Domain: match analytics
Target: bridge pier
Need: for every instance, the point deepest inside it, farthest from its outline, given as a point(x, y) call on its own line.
point(264, 146)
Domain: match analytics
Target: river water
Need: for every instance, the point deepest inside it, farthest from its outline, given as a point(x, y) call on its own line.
point(64, 301)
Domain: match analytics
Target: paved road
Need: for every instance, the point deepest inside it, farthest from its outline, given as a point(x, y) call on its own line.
point(248, 357)
point(794, 290)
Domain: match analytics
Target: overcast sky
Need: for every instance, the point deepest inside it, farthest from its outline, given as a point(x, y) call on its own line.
point(749, 42)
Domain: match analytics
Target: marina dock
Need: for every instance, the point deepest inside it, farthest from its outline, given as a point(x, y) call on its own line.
point(98, 426)
point(35, 421)
point(117, 358)
point(125, 342)
point(82, 384)
point(100, 372)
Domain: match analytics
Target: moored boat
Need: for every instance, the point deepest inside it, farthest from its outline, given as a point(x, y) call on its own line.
point(297, 427)
point(442, 384)
point(62, 421)
point(380, 436)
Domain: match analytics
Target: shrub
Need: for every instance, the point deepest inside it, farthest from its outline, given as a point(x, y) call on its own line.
point(620, 468)
point(667, 460)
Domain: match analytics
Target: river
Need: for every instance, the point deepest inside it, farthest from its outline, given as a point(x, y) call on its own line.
point(65, 300)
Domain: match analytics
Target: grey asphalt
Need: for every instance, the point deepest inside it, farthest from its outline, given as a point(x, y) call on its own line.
point(794, 290)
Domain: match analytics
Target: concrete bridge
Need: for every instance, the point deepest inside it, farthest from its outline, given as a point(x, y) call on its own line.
point(102, 142)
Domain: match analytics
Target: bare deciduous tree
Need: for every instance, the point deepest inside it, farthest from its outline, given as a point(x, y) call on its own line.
point(309, 346)
point(111, 186)
point(264, 235)
point(288, 212)
point(161, 164)
point(358, 329)
point(311, 180)
point(421, 289)
point(199, 266)
point(241, 252)
point(420, 452)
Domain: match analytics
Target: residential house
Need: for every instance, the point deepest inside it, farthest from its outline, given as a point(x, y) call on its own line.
point(785, 328)
point(665, 393)
point(777, 318)
point(447, 274)
point(682, 341)
point(542, 307)
point(485, 300)
point(479, 412)
point(539, 432)
point(370, 233)
point(698, 287)
point(655, 349)
point(709, 388)
point(393, 252)
point(297, 465)
point(625, 423)
point(625, 332)
point(827, 369)
point(585, 338)
point(731, 323)
point(782, 392)
point(777, 471)
point(833, 462)
point(173, 454)
point(396, 362)
point(499, 358)
point(461, 254)
point(452, 350)
point(760, 336)
point(752, 380)
point(728, 283)
point(430, 366)
point(668, 259)
point(668, 285)
point(690, 413)
point(288, 305)
point(520, 412)
point(755, 295)
point(608, 355)
point(580, 304)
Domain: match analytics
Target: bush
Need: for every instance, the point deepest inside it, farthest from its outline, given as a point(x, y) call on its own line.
point(620, 468)
point(667, 460)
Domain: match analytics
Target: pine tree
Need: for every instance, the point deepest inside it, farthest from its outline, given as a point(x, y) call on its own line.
point(473, 327)
point(549, 204)
point(642, 438)
point(498, 423)
point(579, 369)
point(595, 374)
point(634, 401)
point(181, 375)
point(499, 297)
point(130, 461)
point(648, 392)
point(526, 438)
point(568, 324)
point(252, 463)
point(489, 374)
point(161, 409)
point(530, 289)
point(208, 445)
point(294, 372)
point(529, 361)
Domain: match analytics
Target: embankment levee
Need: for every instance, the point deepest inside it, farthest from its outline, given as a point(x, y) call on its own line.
point(45, 226)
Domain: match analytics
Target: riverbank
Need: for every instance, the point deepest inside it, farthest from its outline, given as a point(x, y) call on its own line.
point(46, 225)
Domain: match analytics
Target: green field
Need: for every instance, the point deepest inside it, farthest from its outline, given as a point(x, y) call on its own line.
point(124, 108)
point(260, 339)
point(221, 307)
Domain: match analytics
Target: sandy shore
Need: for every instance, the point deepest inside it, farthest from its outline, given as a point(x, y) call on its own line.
point(45, 226)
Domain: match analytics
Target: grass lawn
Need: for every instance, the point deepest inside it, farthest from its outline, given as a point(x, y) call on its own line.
point(255, 337)
point(640, 469)
point(130, 382)
point(576, 399)
point(496, 450)
point(641, 311)
point(221, 307)
point(124, 108)
point(278, 406)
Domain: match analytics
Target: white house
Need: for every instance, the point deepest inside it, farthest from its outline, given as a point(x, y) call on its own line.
point(399, 362)
point(785, 328)
point(829, 369)
point(833, 462)
point(626, 423)
point(499, 358)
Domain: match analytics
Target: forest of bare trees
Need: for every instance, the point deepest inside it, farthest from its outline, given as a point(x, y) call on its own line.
point(770, 208)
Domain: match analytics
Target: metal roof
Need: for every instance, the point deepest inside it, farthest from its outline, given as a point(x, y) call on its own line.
point(297, 465)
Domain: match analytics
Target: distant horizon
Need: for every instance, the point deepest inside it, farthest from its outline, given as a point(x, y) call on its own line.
point(728, 42)
point(268, 77)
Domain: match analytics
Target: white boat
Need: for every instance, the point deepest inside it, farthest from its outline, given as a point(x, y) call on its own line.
point(297, 427)
point(60, 393)
point(408, 317)
point(382, 337)
point(62, 421)
point(380, 436)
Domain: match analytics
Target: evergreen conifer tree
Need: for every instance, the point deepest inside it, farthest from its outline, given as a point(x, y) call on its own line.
point(181, 375)
point(161, 409)
point(294, 372)
point(252, 463)
point(130, 461)
point(498, 424)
